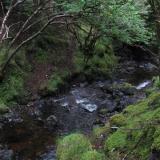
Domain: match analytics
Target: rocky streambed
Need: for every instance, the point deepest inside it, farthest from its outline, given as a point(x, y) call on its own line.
point(29, 132)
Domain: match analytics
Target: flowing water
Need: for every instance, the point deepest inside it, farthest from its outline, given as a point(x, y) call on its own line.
point(29, 132)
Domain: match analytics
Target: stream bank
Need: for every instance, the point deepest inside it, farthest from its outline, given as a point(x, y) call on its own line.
point(30, 131)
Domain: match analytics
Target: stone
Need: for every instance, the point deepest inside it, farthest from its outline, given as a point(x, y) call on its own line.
point(107, 105)
point(6, 154)
point(103, 111)
point(155, 155)
point(51, 121)
point(49, 155)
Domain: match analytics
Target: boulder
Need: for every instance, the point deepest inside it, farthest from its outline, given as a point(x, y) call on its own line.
point(6, 154)
point(51, 122)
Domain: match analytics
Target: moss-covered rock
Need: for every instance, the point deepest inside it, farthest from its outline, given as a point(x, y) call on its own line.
point(72, 147)
point(92, 155)
point(117, 120)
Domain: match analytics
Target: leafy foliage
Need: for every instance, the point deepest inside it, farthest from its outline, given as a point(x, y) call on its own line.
point(108, 21)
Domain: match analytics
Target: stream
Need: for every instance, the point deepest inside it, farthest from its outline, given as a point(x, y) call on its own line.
point(29, 132)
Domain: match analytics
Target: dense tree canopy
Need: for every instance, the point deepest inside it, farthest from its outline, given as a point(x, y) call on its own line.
point(109, 20)
point(89, 21)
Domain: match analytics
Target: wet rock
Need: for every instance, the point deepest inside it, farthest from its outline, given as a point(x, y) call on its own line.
point(155, 155)
point(103, 111)
point(6, 154)
point(89, 107)
point(149, 67)
point(12, 118)
point(99, 121)
point(107, 88)
point(49, 155)
point(108, 105)
point(51, 122)
point(125, 101)
point(82, 85)
point(129, 90)
point(1, 126)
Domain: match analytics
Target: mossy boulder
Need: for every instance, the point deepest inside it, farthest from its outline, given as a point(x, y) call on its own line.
point(117, 120)
point(72, 147)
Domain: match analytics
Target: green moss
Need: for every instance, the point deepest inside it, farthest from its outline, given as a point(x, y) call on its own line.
point(12, 86)
point(79, 62)
point(117, 140)
point(103, 111)
point(55, 83)
point(156, 141)
point(3, 55)
point(72, 147)
point(103, 64)
point(41, 56)
point(156, 82)
point(3, 108)
point(138, 132)
point(92, 155)
point(98, 131)
point(117, 120)
point(100, 49)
